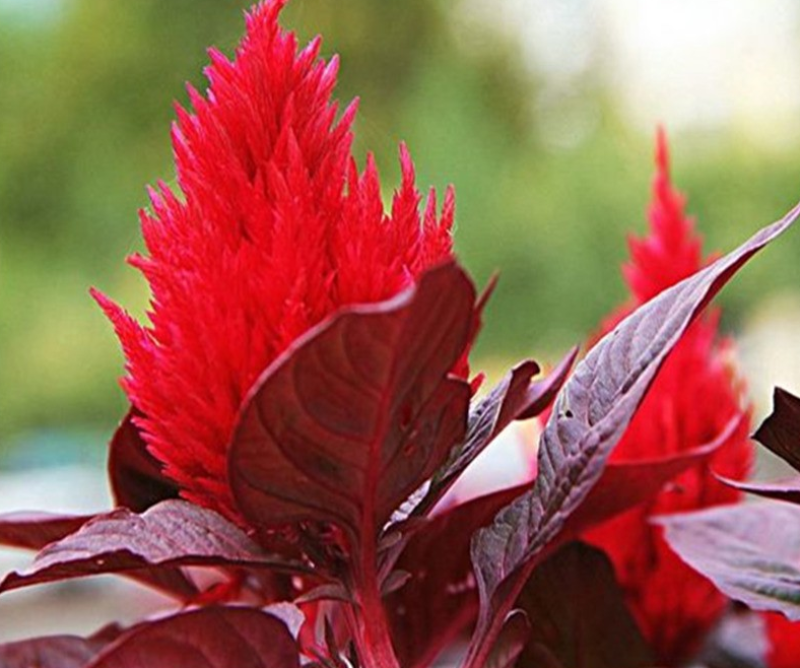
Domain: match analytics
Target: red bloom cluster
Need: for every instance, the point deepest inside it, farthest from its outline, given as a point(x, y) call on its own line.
point(693, 399)
point(275, 230)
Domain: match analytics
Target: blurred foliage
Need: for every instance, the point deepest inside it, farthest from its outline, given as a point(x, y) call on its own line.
point(88, 88)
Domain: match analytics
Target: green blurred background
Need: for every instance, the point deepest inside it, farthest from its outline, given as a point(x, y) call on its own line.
point(542, 114)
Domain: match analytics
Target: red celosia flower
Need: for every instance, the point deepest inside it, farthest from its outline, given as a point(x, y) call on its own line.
point(694, 397)
point(274, 231)
point(784, 641)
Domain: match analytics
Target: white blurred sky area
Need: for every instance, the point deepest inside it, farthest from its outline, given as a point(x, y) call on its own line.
point(690, 64)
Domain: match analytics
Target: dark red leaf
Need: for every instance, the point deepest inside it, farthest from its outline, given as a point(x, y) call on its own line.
point(49, 652)
point(782, 490)
point(624, 485)
point(514, 398)
point(136, 479)
point(542, 393)
point(205, 638)
point(34, 530)
point(577, 612)
point(590, 416)
point(437, 555)
point(780, 432)
point(359, 412)
point(751, 551)
point(511, 642)
point(439, 601)
point(171, 533)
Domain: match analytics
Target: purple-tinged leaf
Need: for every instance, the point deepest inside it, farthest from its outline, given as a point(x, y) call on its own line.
point(781, 490)
point(511, 642)
point(136, 478)
point(437, 555)
point(591, 414)
point(171, 533)
point(206, 638)
point(49, 652)
point(440, 600)
point(514, 398)
point(358, 413)
point(578, 614)
point(750, 551)
point(34, 530)
point(624, 485)
point(780, 432)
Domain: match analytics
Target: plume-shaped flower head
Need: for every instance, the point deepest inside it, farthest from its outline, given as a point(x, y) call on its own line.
point(693, 399)
point(274, 229)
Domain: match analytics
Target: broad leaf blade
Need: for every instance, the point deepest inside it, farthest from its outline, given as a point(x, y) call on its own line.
point(205, 638)
point(624, 485)
point(590, 416)
point(781, 490)
point(514, 398)
point(136, 479)
point(439, 601)
point(34, 530)
point(750, 551)
point(172, 533)
point(349, 422)
point(780, 432)
point(577, 612)
point(49, 652)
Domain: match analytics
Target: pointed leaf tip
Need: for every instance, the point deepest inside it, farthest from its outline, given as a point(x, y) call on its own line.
point(591, 414)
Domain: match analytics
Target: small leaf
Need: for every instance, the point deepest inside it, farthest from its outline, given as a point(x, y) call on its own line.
point(359, 412)
point(511, 641)
point(590, 416)
point(440, 599)
point(171, 533)
point(49, 652)
point(577, 612)
point(750, 551)
point(624, 485)
point(34, 530)
point(514, 398)
point(205, 638)
point(136, 479)
point(782, 490)
point(780, 432)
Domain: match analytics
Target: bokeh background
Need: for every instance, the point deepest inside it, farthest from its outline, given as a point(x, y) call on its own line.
point(542, 114)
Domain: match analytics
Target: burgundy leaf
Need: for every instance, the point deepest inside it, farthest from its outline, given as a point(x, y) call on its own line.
point(624, 485)
point(438, 553)
point(511, 641)
point(590, 416)
point(542, 393)
point(49, 652)
point(206, 638)
point(136, 479)
point(34, 530)
point(439, 601)
point(781, 490)
point(578, 614)
point(780, 432)
point(171, 533)
point(359, 412)
point(514, 398)
point(751, 551)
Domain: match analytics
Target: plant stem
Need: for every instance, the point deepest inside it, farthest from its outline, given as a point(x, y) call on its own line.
point(373, 639)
